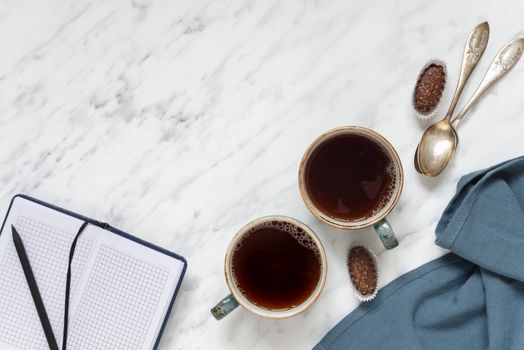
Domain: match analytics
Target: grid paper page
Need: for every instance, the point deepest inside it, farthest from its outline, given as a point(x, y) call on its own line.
point(117, 307)
point(48, 251)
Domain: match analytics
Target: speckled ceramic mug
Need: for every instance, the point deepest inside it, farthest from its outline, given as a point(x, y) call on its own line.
point(230, 303)
point(378, 219)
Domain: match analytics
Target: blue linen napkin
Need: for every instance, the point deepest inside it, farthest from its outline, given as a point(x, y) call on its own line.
point(472, 298)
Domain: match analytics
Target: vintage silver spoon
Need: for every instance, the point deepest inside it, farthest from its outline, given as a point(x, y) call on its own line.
point(475, 46)
point(440, 140)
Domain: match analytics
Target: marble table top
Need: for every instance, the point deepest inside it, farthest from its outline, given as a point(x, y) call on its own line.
point(180, 121)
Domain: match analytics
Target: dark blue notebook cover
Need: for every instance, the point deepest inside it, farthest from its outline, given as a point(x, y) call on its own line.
point(109, 228)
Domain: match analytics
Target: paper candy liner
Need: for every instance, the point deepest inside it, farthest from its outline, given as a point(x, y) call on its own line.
point(359, 295)
point(433, 112)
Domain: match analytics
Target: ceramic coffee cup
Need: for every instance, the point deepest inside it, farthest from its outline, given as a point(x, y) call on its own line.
point(378, 217)
point(237, 297)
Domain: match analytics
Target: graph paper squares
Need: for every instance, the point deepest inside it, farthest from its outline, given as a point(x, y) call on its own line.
point(117, 307)
point(48, 251)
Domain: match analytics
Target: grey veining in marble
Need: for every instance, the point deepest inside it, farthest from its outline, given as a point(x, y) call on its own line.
point(180, 121)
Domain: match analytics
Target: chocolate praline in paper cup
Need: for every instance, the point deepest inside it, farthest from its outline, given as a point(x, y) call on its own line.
point(430, 114)
point(356, 292)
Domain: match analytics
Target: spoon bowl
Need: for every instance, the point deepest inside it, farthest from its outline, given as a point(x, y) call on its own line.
point(436, 148)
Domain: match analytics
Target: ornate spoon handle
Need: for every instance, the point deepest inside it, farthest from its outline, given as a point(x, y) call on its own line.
point(505, 59)
point(475, 46)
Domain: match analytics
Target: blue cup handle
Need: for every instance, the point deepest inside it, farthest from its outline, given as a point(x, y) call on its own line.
point(386, 234)
point(224, 307)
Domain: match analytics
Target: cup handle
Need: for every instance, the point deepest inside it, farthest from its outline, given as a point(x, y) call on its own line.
point(224, 307)
point(386, 234)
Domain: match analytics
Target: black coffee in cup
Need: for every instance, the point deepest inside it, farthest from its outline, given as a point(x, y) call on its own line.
point(276, 265)
point(350, 177)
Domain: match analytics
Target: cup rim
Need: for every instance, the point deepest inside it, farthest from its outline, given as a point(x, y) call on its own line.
point(351, 225)
point(260, 311)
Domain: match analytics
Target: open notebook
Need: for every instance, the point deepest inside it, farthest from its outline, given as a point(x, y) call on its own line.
point(122, 288)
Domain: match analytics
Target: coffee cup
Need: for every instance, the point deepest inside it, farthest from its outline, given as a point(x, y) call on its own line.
point(275, 267)
point(350, 178)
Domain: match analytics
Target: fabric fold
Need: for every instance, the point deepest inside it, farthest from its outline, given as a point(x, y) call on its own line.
point(484, 222)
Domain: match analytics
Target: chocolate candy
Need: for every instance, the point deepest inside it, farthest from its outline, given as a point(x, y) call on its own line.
point(362, 270)
point(429, 88)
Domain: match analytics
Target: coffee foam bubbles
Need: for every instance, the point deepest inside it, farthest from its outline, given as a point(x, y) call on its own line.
point(391, 170)
point(302, 237)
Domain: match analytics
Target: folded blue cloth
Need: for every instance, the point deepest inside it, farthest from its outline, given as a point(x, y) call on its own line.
point(472, 298)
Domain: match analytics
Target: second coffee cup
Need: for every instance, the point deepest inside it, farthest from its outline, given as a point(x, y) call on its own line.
point(275, 267)
point(350, 178)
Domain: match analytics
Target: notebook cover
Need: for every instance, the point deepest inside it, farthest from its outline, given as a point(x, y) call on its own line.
point(109, 228)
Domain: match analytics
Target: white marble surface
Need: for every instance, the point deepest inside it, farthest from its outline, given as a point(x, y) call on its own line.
point(180, 121)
